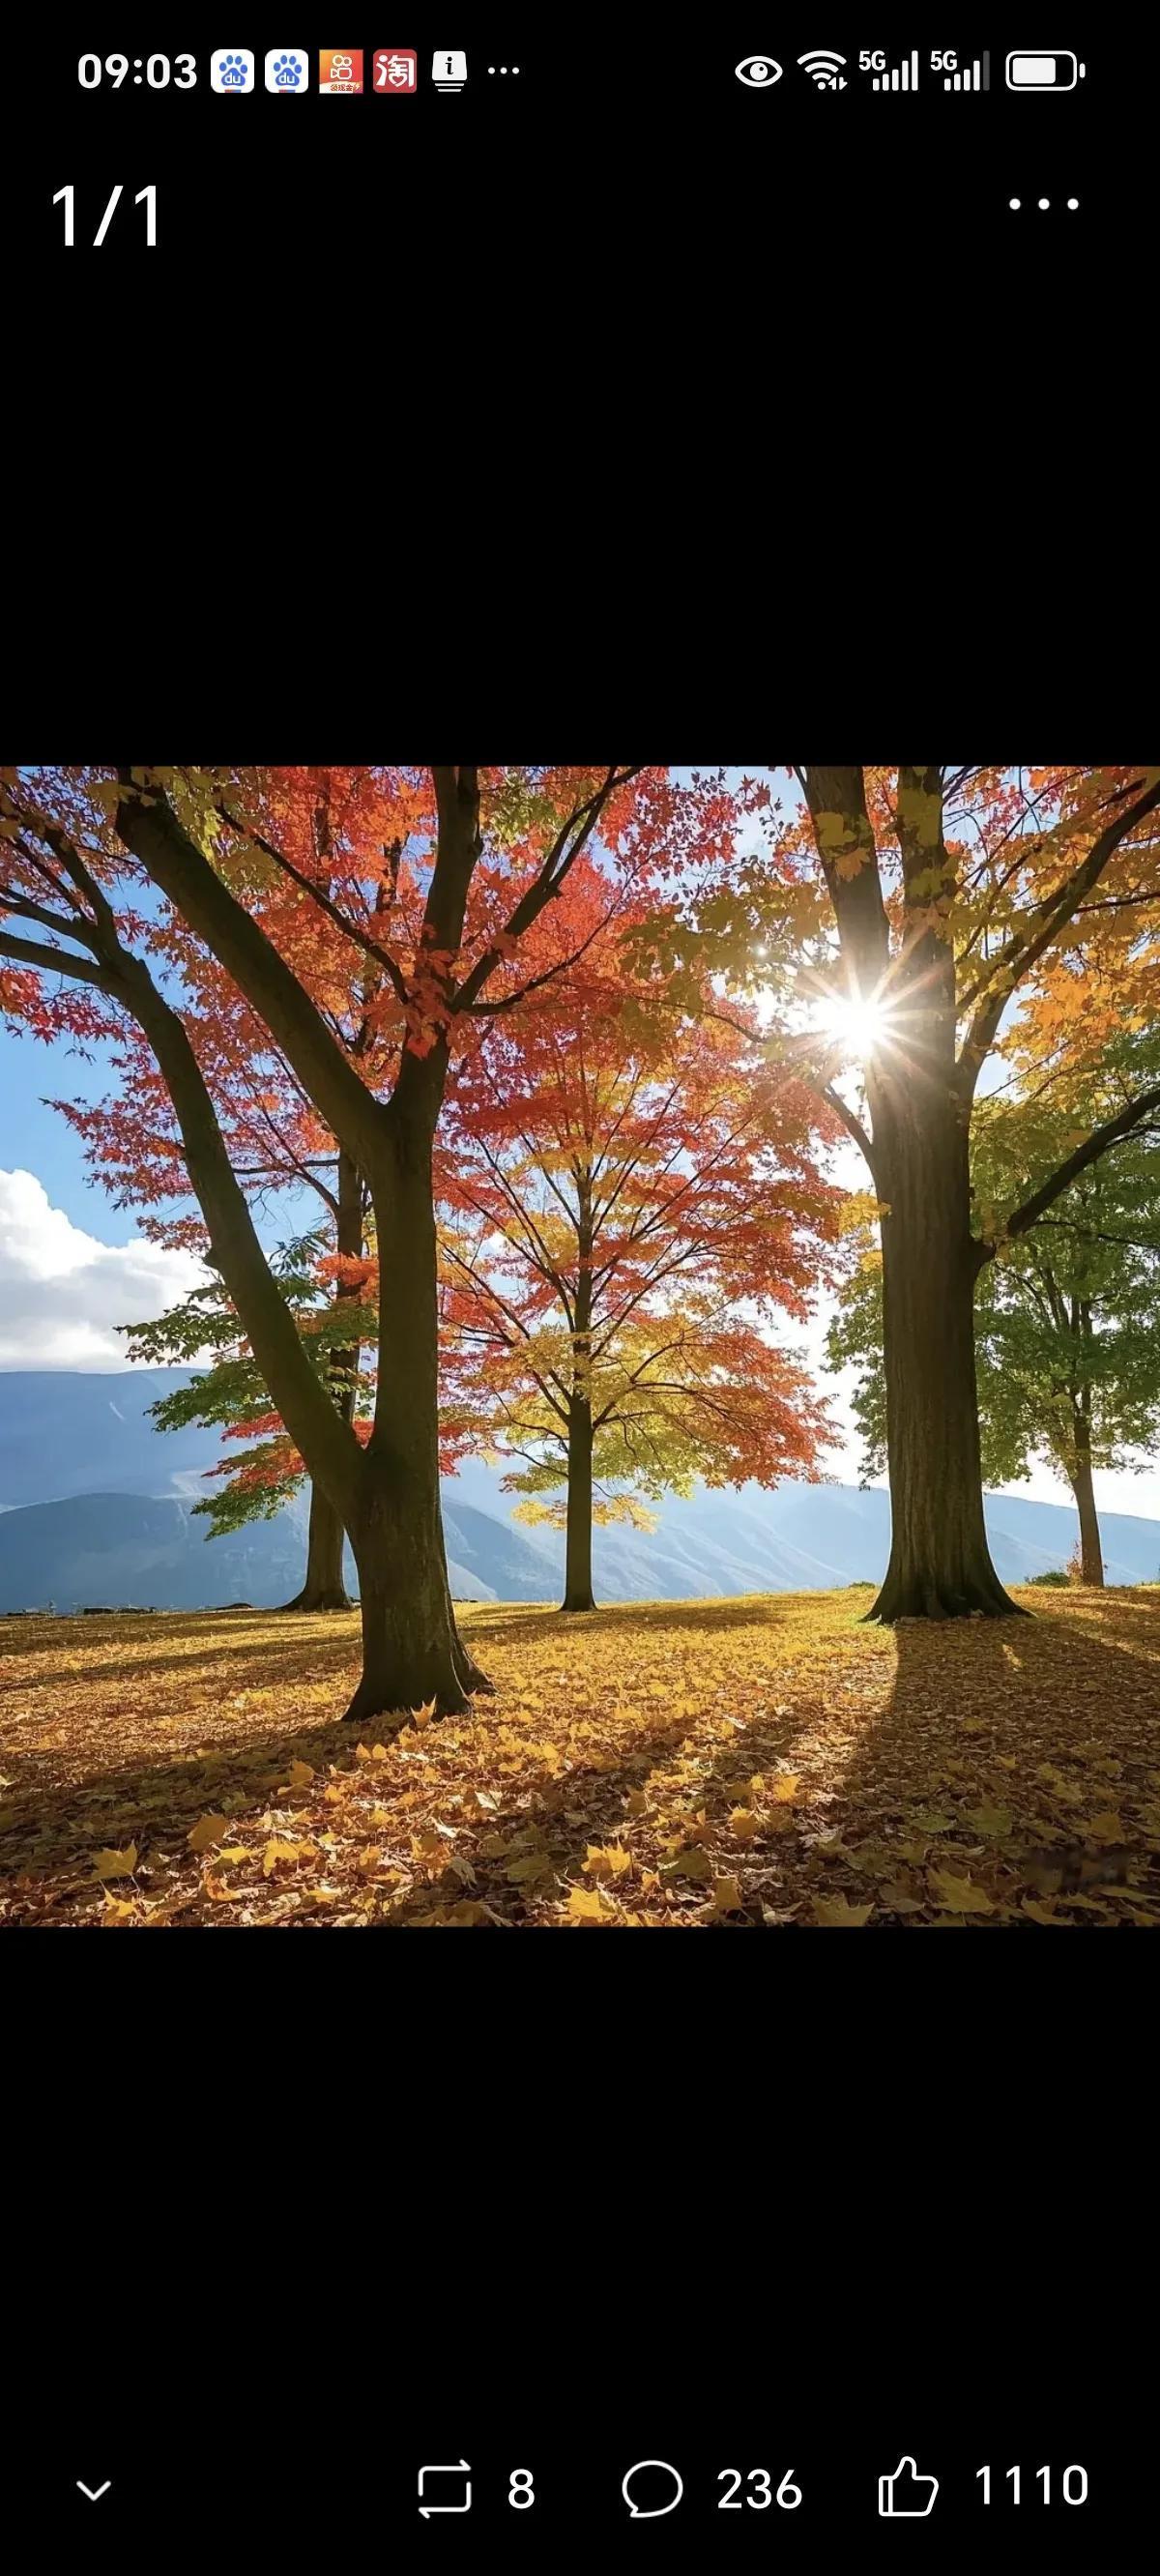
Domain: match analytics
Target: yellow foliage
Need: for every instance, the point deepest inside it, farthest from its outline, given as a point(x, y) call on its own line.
point(838, 1912)
point(692, 1863)
point(747, 1762)
point(209, 1831)
point(115, 1864)
point(958, 1895)
point(587, 1907)
point(861, 1209)
point(610, 1863)
point(277, 1853)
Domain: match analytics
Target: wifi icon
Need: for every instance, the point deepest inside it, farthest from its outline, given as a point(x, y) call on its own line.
point(824, 68)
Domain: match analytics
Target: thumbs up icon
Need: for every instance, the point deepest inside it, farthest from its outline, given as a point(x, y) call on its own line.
point(906, 2495)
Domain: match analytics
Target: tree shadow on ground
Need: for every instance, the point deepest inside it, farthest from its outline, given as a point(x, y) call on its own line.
point(971, 1712)
point(292, 1648)
point(515, 1620)
point(152, 1804)
point(1024, 1716)
point(587, 1805)
point(982, 1693)
point(600, 1791)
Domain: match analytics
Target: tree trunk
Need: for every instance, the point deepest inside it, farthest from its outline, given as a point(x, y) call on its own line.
point(578, 1545)
point(325, 1586)
point(1091, 1553)
point(578, 1541)
point(919, 1096)
point(940, 1564)
point(413, 1655)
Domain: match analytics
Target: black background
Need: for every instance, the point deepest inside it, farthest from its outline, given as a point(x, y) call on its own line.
point(289, 2219)
point(642, 404)
point(364, 199)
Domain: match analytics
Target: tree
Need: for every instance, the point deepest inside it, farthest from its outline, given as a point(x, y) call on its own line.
point(633, 1199)
point(276, 1141)
point(101, 865)
point(1067, 1320)
point(227, 1392)
point(907, 917)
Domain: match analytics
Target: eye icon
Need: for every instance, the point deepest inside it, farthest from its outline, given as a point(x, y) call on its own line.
point(759, 71)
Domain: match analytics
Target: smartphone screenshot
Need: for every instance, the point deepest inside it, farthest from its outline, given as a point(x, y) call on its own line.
point(579, 1337)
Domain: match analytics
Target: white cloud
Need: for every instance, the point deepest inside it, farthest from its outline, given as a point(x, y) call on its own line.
point(62, 1292)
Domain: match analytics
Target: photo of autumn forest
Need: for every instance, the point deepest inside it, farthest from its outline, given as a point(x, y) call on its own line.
point(580, 1348)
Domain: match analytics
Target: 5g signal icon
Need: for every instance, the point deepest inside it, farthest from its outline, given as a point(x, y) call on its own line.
point(824, 68)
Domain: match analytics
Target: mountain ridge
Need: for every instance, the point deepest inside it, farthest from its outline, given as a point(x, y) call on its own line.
point(123, 1530)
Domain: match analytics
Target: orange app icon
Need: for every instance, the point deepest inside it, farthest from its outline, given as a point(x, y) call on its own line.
point(340, 75)
point(396, 73)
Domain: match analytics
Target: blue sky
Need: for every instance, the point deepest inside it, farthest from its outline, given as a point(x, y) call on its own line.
point(35, 1138)
point(42, 1141)
point(72, 1265)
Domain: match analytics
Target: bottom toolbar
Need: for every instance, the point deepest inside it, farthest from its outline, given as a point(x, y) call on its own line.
point(806, 2491)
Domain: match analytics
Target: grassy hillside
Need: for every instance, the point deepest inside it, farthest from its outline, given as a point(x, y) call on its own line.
point(738, 1764)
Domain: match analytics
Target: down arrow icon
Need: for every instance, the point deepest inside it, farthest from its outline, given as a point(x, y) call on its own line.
point(94, 2494)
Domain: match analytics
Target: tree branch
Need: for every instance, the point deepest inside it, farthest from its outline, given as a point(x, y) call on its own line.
point(301, 1399)
point(21, 907)
point(149, 828)
point(350, 929)
point(844, 836)
point(1027, 944)
point(850, 1119)
point(1096, 1144)
point(546, 884)
point(32, 952)
point(315, 1427)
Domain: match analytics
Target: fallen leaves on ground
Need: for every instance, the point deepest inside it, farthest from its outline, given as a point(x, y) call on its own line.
point(724, 1765)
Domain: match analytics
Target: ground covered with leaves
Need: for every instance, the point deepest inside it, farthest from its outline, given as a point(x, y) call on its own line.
point(733, 1764)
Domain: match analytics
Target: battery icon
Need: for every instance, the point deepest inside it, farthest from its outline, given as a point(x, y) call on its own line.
point(1043, 71)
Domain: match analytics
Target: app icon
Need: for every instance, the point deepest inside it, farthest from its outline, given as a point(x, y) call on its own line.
point(449, 71)
point(288, 72)
point(340, 75)
point(232, 71)
point(396, 73)
point(906, 2495)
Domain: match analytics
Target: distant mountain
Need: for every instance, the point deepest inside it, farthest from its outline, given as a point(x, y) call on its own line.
point(153, 1552)
point(99, 1510)
point(117, 1550)
point(487, 1559)
point(797, 1538)
point(63, 1432)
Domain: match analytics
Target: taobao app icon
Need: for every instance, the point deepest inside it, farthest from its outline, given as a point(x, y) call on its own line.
point(396, 73)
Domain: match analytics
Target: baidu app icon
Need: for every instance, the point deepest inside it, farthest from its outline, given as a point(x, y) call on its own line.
point(288, 72)
point(231, 70)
